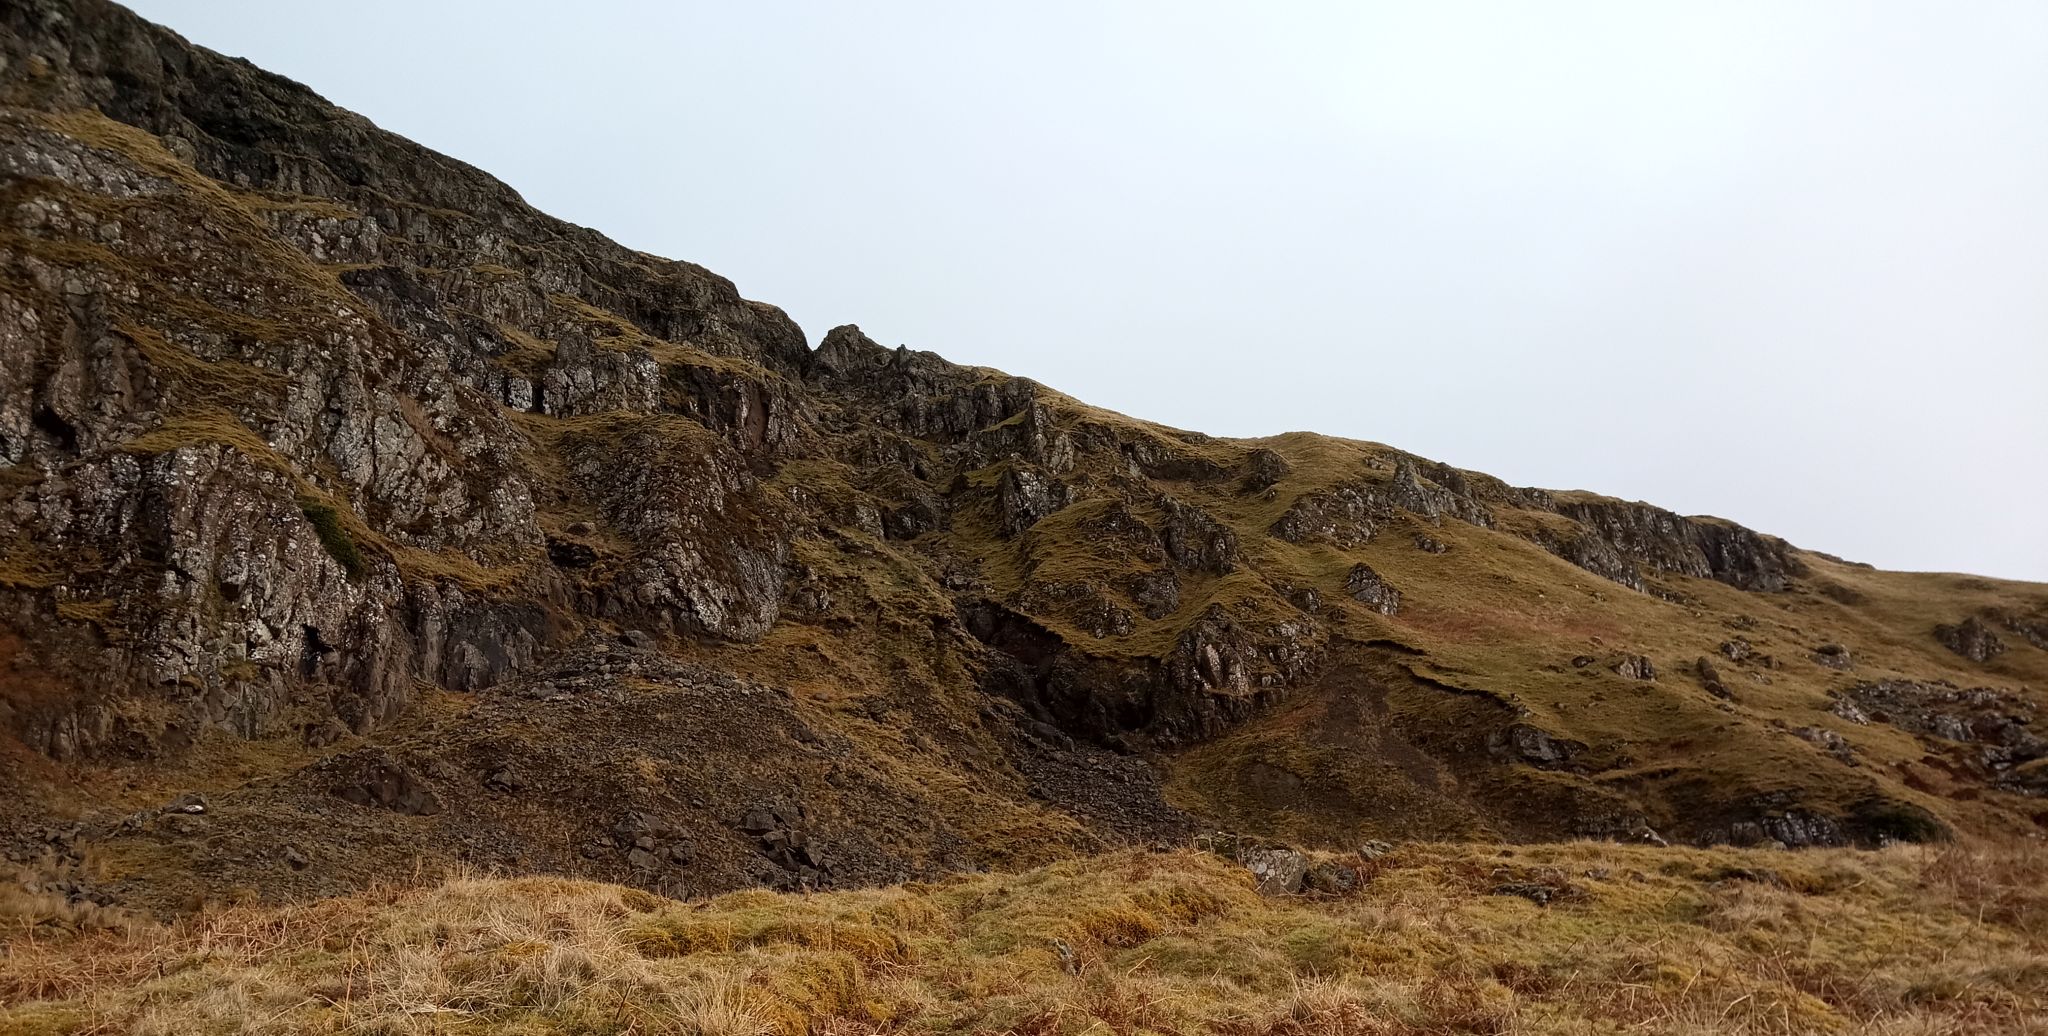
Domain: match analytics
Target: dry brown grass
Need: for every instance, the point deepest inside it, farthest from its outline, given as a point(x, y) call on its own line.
point(1904, 941)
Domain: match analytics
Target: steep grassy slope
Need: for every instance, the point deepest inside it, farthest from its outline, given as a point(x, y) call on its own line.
point(1436, 939)
point(357, 518)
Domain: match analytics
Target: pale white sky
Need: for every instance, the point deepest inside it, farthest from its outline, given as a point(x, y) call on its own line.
point(1781, 262)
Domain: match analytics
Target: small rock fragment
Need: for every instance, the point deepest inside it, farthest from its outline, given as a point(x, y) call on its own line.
point(1279, 871)
point(1710, 678)
point(1636, 667)
point(1833, 656)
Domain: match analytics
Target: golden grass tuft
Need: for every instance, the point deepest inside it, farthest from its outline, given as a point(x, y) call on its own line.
point(1908, 940)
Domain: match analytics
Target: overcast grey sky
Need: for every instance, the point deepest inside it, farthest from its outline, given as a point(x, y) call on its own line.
point(1781, 262)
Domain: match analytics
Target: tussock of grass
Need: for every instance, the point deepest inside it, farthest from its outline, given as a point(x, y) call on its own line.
point(23, 567)
point(96, 613)
point(528, 357)
point(209, 425)
point(1908, 940)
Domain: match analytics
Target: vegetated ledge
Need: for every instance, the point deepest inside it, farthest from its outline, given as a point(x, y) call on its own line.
point(1424, 938)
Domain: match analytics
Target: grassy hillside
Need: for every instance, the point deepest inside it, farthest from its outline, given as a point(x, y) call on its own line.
point(359, 522)
point(1434, 938)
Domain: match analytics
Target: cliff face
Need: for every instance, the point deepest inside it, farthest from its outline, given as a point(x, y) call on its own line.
point(397, 518)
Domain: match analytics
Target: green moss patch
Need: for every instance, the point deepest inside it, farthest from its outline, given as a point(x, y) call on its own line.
point(335, 538)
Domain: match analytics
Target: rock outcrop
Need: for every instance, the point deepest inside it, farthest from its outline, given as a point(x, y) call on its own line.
point(1367, 588)
point(1620, 540)
point(1970, 638)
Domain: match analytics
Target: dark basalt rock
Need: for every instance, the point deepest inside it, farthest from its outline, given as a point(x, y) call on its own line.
point(1620, 539)
point(1797, 829)
point(1833, 656)
point(1427, 497)
point(1778, 820)
point(1636, 667)
point(2032, 629)
point(1194, 540)
point(1218, 673)
point(915, 517)
point(1970, 638)
point(1085, 605)
point(1350, 515)
point(1998, 720)
point(571, 554)
point(1023, 496)
point(783, 835)
point(1522, 742)
point(1366, 587)
point(1710, 679)
point(377, 779)
point(1835, 744)
point(1343, 517)
point(1158, 593)
point(1263, 469)
point(1277, 871)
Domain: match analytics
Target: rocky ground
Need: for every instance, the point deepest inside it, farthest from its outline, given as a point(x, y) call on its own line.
point(358, 519)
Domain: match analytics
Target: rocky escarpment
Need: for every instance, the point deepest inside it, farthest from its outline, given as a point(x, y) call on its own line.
point(1610, 538)
point(291, 451)
point(313, 438)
